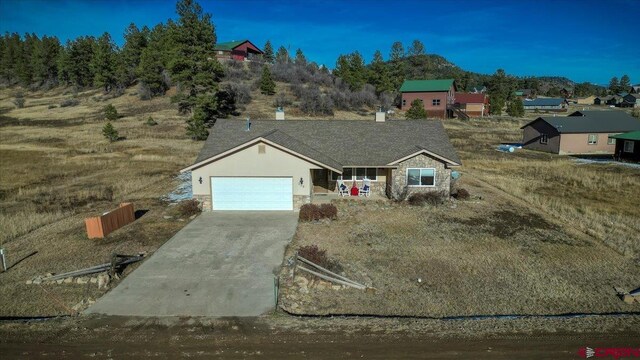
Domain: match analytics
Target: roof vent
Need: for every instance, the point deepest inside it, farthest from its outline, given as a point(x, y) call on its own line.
point(248, 124)
point(279, 113)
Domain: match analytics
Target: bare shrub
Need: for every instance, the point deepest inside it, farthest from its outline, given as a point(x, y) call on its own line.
point(427, 198)
point(397, 193)
point(319, 256)
point(463, 194)
point(329, 211)
point(240, 91)
point(70, 102)
point(281, 101)
point(313, 212)
point(312, 102)
point(19, 100)
point(52, 106)
point(189, 207)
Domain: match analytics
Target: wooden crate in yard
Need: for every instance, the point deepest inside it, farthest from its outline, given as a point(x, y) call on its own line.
point(103, 225)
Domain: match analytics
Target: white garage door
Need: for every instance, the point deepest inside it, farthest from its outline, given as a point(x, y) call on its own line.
point(251, 193)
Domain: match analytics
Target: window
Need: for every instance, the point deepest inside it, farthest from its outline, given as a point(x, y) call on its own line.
point(593, 139)
point(544, 138)
point(220, 52)
point(628, 146)
point(421, 177)
point(435, 102)
point(611, 141)
point(360, 174)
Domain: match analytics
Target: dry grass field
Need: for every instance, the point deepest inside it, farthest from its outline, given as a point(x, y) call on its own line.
point(541, 235)
point(57, 169)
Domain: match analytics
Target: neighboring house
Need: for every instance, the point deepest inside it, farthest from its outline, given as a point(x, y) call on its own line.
point(436, 96)
point(582, 132)
point(631, 100)
point(567, 92)
point(282, 164)
point(635, 89)
point(589, 100)
point(545, 104)
point(615, 100)
point(472, 104)
point(627, 146)
point(237, 50)
point(524, 93)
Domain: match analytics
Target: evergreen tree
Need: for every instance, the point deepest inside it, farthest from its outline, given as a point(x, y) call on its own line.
point(196, 128)
point(417, 48)
point(625, 83)
point(196, 74)
point(153, 62)
point(110, 132)
point(497, 103)
point(80, 56)
point(614, 85)
point(379, 74)
point(135, 42)
point(11, 55)
point(397, 51)
point(267, 85)
point(110, 112)
point(515, 108)
point(44, 60)
point(282, 56)
point(268, 55)
point(300, 59)
point(416, 111)
point(502, 85)
point(103, 62)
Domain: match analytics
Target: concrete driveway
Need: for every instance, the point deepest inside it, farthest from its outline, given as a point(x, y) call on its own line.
point(220, 264)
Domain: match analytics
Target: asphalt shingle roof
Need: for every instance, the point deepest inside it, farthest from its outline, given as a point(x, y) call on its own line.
point(426, 85)
point(543, 102)
point(336, 143)
point(593, 122)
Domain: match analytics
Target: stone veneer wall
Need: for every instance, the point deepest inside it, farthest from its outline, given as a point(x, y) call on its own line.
point(442, 180)
point(205, 201)
point(299, 200)
point(377, 187)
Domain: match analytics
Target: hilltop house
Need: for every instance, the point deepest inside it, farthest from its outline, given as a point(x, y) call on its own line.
point(627, 146)
point(283, 164)
point(237, 50)
point(582, 132)
point(436, 96)
point(545, 104)
point(472, 104)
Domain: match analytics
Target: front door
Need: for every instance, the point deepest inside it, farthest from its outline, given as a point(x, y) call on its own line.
point(320, 178)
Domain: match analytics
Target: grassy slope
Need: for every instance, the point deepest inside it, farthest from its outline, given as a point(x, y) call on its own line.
point(57, 169)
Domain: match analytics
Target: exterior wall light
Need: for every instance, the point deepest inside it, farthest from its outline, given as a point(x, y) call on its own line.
point(200, 180)
point(301, 182)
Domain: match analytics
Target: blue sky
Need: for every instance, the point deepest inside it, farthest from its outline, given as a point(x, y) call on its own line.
point(584, 40)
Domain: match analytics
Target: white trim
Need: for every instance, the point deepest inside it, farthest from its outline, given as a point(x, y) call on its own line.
point(589, 139)
point(545, 137)
point(253, 142)
point(424, 152)
point(421, 186)
point(354, 174)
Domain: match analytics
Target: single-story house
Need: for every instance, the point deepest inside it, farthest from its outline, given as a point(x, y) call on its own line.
point(545, 104)
point(567, 91)
point(635, 89)
point(631, 100)
point(582, 132)
point(436, 96)
point(524, 93)
point(588, 100)
point(627, 146)
point(601, 100)
point(237, 50)
point(283, 164)
point(472, 104)
point(615, 100)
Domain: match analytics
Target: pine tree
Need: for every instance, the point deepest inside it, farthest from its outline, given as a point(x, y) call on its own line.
point(379, 74)
point(135, 42)
point(103, 62)
point(196, 128)
point(282, 56)
point(80, 57)
point(110, 112)
point(625, 83)
point(515, 108)
point(497, 103)
point(110, 132)
point(397, 51)
point(268, 53)
point(267, 85)
point(614, 85)
point(416, 111)
point(44, 59)
point(417, 48)
point(153, 62)
point(191, 65)
point(300, 59)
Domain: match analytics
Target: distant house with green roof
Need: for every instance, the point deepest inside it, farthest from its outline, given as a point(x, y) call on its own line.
point(627, 146)
point(240, 50)
point(437, 96)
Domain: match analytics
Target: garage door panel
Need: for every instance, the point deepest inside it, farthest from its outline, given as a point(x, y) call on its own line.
point(252, 193)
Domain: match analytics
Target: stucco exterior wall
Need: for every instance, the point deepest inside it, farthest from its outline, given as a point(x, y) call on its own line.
point(249, 162)
point(442, 175)
point(578, 144)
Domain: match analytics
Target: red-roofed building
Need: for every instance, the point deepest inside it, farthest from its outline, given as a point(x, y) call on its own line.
point(237, 50)
point(474, 105)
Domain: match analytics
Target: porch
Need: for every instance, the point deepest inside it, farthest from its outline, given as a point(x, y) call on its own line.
point(324, 182)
